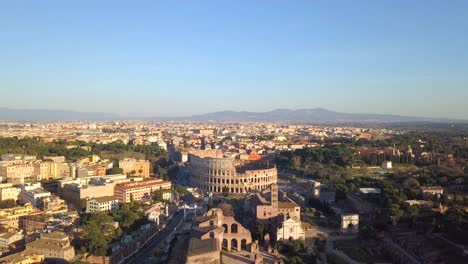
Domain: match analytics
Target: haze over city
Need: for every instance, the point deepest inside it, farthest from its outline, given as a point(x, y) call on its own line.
point(176, 59)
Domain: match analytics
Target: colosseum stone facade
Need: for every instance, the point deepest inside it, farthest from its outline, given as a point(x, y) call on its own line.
point(221, 175)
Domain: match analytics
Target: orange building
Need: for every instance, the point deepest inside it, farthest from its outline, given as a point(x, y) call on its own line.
point(254, 156)
point(135, 167)
point(125, 192)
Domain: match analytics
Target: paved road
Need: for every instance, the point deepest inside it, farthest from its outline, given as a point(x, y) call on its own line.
point(145, 254)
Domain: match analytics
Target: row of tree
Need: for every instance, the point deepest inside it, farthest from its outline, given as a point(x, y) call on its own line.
point(99, 231)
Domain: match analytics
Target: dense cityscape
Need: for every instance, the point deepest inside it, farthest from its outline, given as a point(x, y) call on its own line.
point(233, 132)
point(145, 192)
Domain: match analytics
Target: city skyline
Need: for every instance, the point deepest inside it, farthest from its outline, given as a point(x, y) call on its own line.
point(165, 59)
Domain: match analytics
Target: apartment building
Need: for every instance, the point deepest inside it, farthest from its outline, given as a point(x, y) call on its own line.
point(10, 218)
point(34, 194)
point(54, 246)
point(135, 167)
point(36, 170)
point(23, 257)
point(8, 192)
point(9, 238)
point(125, 192)
point(106, 204)
point(76, 191)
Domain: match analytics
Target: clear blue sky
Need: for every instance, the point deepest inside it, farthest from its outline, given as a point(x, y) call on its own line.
point(185, 57)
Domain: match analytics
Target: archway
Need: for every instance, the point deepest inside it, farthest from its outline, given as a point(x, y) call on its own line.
point(234, 244)
point(225, 244)
point(212, 234)
point(211, 223)
point(244, 244)
point(225, 228)
point(350, 226)
point(234, 228)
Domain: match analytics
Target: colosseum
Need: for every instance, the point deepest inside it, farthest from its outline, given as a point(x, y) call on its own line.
point(212, 172)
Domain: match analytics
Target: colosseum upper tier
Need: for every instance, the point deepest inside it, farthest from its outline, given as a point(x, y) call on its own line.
point(221, 175)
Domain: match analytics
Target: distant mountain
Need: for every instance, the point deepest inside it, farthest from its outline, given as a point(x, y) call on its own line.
point(314, 115)
point(52, 115)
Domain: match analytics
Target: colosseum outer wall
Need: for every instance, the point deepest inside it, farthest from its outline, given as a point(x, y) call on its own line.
point(221, 175)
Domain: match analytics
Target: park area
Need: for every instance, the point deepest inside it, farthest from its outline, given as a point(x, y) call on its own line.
point(362, 251)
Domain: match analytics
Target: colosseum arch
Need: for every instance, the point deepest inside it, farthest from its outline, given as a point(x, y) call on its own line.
point(244, 244)
point(225, 227)
point(225, 244)
point(234, 245)
point(234, 228)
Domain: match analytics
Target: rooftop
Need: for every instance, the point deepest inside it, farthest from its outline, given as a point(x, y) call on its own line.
point(369, 190)
point(197, 246)
point(105, 199)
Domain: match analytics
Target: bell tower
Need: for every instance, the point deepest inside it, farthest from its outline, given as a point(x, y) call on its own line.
point(274, 199)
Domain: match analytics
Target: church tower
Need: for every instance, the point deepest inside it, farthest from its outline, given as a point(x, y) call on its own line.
point(274, 199)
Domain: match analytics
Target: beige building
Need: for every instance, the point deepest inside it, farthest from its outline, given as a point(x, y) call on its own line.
point(8, 238)
point(76, 191)
point(274, 211)
point(8, 192)
point(140, 168)
point(75, 195)
point(9, 218)
point(106, 204)
point(290, 229)
point(23, 257)
point(58, 170)
point(54, 246)
point(55, 205)
point(434, 190)
point(35, 170)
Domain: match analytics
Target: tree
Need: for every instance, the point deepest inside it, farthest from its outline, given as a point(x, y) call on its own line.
point(98, 233)
point(9, 203)
point(158, 196)
point(129, 216)
point(296, 162)
point(115, 170)
point(162, 173)
point(258, 230)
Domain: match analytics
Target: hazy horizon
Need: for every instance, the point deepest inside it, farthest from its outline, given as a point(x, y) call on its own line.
point(172, 59)
point(143, 115)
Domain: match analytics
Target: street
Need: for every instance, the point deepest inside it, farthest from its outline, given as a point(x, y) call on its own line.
point(145, 254)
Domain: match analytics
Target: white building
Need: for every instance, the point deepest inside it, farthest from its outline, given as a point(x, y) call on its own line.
point(107, 204)
point(8, 238)
point(34, 194)
point(314, 188)
point(162, 145)
point(387, 165)
point(290, 229)
point(154, 217)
